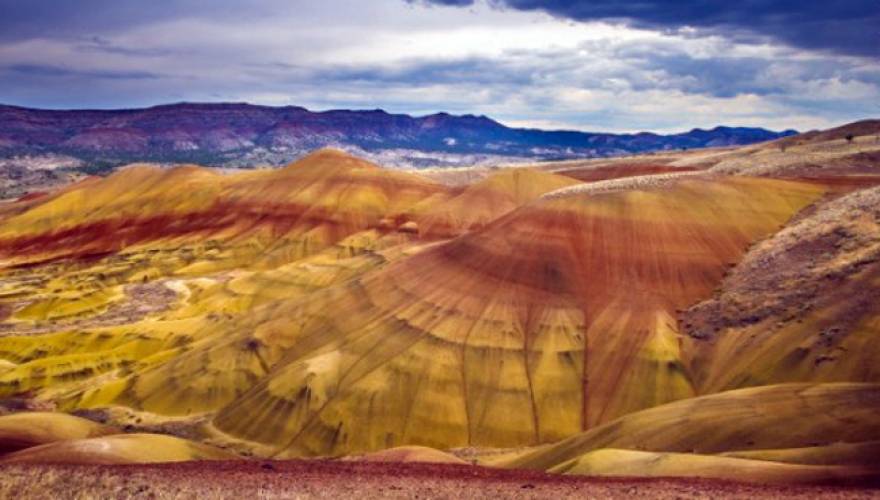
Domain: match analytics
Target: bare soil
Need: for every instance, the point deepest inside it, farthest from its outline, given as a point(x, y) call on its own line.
point(829, 252)
point(333, 479)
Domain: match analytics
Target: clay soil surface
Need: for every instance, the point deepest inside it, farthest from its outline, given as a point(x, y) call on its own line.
point(330, 479)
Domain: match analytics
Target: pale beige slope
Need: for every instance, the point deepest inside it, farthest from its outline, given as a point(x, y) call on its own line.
point(24, 430)
point(865, 453)
point(629, 463)
point(409, 454)
point(771, 417)
point(484, 201)
point(118, 449)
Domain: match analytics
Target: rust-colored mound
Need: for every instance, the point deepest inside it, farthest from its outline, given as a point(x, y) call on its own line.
point(621, 169)
point(33, 195)
point(553, 319)
point(25, 430)
point(311, 203)
point(118, 449)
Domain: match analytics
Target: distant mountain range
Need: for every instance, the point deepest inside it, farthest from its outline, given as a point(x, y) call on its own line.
point(233, 134)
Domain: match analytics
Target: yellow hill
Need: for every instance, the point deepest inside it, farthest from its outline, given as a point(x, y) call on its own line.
point(320, 309)
point(118, 449)
point(611, 462)
point(863, 454)
point(24, 430)
point(488, 199)
point(762, 418)
point(410, 454)
point(552, 320)
point(303, 208)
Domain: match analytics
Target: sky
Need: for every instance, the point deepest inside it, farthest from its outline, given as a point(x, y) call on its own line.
point(598, 65)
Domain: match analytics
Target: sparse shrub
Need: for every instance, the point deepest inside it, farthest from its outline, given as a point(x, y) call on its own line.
point(849, 138)
point(610, 185)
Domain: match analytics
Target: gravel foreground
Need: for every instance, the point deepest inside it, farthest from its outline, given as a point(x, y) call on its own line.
point(329, 479)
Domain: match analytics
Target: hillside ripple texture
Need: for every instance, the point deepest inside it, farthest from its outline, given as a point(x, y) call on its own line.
point(332, 307)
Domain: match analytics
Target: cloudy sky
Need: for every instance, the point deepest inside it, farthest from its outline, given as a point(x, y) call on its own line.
point(598, 65)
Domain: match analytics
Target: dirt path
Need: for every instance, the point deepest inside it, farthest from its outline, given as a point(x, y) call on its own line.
point(326, 479)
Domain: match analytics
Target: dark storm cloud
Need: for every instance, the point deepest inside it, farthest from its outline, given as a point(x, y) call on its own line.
point(102, 45)
point(42, 70)
point(482, 71)
point(27, 19)
point(658, 65)
point(846, 27)
point(23, 19)
point(488, 56)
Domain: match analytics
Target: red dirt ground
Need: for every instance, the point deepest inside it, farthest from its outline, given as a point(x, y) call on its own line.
point(333, 479)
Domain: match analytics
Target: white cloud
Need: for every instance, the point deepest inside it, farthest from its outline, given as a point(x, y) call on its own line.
point(523, 68)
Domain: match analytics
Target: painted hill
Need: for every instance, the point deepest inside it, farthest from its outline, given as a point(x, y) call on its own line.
point(724, 434)
point(117, 449)
point(484, 201)
point(303, 207)
point(546, 322)
point(230, 133)
point(630, 463)
point(332, 308)
point(552, 310)
point(45, 437)
point(409, 454)
point(26, 430)
point(813, 318)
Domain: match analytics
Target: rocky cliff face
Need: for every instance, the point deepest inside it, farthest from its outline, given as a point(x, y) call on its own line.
point(243, 134)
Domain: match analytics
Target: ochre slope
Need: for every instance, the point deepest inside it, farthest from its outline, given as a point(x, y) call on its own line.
point(307, 320)
point(410, 454)
point(866, 453)
point(123, 200)
point(25, 203)
point(118, 449)
point(618, 169)
point(549, 321)
point(24, 430)
point(301, 208)
point(801, 306)
point(629, 463)
point(769, 417)
point(486, 200)
point(207, 341)
point(347, 258)
point(194, 248)
point(62, 361)
point(199, 357)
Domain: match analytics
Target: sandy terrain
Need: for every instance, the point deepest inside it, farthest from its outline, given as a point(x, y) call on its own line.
point(324, 479)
